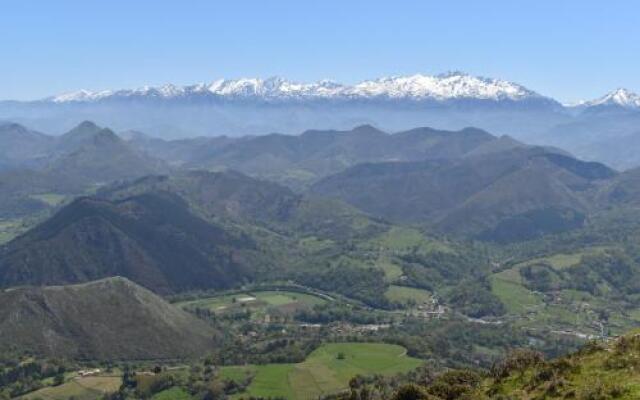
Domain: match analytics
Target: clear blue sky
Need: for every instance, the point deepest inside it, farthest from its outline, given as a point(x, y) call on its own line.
point(567, 49)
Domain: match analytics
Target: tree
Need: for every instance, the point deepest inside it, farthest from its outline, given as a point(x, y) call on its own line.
point(411, 392)
point(58, 380)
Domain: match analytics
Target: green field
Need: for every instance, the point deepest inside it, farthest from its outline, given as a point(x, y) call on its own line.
point(507, 286)
point(258, 301)
point(568, 309)
point(404, 294)
point(392, 272)
point(89, 388)
point(561, 261)
point(235, 373)
point(313, 244)
point(323, 372)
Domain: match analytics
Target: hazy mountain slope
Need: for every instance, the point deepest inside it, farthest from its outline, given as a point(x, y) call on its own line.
point(21, 147)
point(519, 192)
point(151, 239)
point(176, 152)
point(608, 135)
point(82, 134)
point(234, 197)
point(300, 160)
point(472, 194)
point(107, 319)
point(225, 194)
point(624, 190)
point(257, 106)
point(72, 164)
point(101, 156)
point(19, 187)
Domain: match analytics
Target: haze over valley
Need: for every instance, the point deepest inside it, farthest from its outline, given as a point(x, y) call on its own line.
point(601, 129)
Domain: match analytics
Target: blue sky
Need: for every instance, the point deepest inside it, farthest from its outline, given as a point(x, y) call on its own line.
point(567, 49)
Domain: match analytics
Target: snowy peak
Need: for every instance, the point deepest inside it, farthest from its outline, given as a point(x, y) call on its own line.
point(450, 86)
point(80, 95)
point(619, 97)
point(273, 88)
point(453, 85)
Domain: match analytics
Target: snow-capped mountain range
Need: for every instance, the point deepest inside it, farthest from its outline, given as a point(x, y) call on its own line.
point(450, 86)
point(253, 106)
point(619, 97)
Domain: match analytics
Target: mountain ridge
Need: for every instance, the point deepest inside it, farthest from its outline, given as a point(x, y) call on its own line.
point(448, 86)
point(474, 195)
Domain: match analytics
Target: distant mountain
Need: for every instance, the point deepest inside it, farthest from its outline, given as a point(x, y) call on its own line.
point(476, 195)
point(445, 87)
point(624, 190)
point(81, 135)
point(152, 239)
point(607, 131)
point(299, 160)
point(21, 147)
point(20, 190)
point(110, 319)
point(226, 194)
point(83, 158)
point(231, 197)
point(256, 106)
point(179, 151)
point(86, 143)
point(619, 98)
point(94, 155)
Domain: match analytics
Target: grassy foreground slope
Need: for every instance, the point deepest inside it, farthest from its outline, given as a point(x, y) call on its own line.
point(598, 371)
point(327, 370)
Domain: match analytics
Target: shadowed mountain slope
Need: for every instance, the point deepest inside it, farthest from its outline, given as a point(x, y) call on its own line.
point(230, 196)
point(474, 194)
point(152, 239)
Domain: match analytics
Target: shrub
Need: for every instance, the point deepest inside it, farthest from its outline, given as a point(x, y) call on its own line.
point(411, 392)
point(453, 385)
point(516, 361)
point(601, 391)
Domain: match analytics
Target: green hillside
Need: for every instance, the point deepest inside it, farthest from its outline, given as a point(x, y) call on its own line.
point(110, 319)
